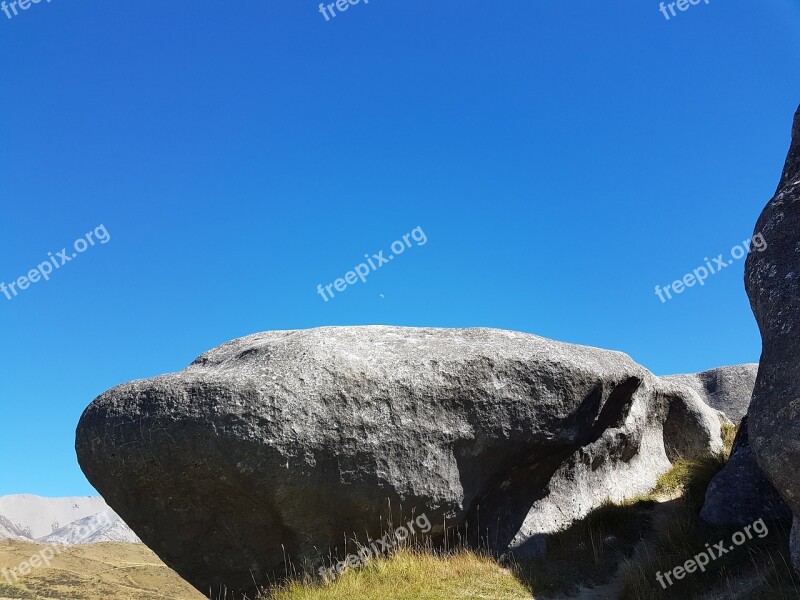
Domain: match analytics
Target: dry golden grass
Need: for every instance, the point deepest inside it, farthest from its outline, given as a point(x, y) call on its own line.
point(729, 432)
point(93, 572)
point(412, 575)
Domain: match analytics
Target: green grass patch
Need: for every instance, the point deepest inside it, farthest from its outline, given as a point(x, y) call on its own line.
point(689, 479)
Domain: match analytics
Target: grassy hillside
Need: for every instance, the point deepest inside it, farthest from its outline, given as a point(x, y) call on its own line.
point(93, 572)
point(132, 572)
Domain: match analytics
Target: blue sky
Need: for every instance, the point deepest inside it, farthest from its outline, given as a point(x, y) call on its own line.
point(562, 159)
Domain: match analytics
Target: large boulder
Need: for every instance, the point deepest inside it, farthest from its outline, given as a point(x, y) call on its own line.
point(741, 494)
point(772, 278)
point(278, 445)
point(727, 389)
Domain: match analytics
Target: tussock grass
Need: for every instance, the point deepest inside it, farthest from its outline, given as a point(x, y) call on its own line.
point(763, 561)
point(729, 432)
point(689, 479)
point(416, 575)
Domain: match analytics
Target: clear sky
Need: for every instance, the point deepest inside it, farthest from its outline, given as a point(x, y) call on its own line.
point(562, 158)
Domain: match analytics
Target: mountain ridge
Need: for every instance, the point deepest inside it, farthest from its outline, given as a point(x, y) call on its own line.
point(67, 521)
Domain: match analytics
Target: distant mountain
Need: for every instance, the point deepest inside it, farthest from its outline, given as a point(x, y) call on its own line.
point(35, 517)
point(106, 526)
point(84, 520)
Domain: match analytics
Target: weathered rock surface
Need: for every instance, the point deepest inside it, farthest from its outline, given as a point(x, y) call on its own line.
point(741, 494)
point(690, 422)
point(772, 278)
point(727, 389)
point(280, 443)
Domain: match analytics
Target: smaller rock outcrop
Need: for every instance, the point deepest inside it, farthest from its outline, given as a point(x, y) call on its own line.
point(691, 427)
point(727, 389)
point(741, 494)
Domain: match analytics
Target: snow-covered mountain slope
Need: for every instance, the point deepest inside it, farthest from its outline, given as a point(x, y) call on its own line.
point(35, 517)
point(102, 527)
point(61, 520)
point(8, 531)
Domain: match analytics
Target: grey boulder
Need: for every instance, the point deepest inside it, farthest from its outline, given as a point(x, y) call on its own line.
point(727, 389)
point(772, 278)
point(741, 494)
point(280, 444)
